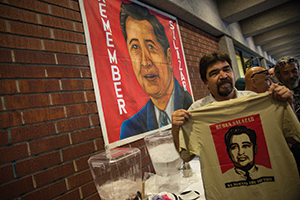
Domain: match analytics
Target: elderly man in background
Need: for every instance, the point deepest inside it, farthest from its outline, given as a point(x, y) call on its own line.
point(257, 79)
point(287, 72)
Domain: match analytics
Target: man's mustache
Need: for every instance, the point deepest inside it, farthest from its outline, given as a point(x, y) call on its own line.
point(225, 80)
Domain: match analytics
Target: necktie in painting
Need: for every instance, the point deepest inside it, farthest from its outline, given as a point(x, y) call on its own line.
point(163, 118)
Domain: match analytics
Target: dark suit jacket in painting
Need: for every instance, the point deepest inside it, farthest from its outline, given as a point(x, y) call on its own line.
point(145, 119)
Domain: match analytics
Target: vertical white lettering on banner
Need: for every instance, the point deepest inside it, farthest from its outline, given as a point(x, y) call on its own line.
point(108, 40)
point(112, 59)
point(115, 72)
point(102, 11)
point(106, 26)
point(116, 77)
point(182, 78)
point(121, 104)
point(118, 89)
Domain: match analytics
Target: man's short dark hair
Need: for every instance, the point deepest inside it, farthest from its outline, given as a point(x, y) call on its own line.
point(277, 66)
point(141, 13)
point(238, 130)
point(210, 59)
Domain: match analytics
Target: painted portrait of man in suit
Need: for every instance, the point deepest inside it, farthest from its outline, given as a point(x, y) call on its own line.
point(151, 59)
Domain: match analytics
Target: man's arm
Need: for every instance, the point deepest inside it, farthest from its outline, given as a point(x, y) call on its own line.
point(178, 119)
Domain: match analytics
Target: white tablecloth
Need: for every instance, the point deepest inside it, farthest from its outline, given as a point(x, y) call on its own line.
point(198, 186)
point(193, 183)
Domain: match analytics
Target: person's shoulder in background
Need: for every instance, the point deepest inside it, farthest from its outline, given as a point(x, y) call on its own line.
point(240, 83)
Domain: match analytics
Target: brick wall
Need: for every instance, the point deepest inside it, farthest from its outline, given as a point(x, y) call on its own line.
point(49, 124)
point(196, 43)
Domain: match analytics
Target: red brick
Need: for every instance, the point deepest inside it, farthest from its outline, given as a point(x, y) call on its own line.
point(78, 27)
point(30, 5)
point(146, 160)
point(138, 143)
point(65, 13)
point(19, 42)
point(63, 3)
point(12, 153)
point(17, 14)
point(143, 150)
point(32, 132)
point(94, 197)
point(68, 72)
point(85, 135)
point(68, 36)
point(42, 115)
point(47, 192)
point(100, 144)
point(34, 57)
point(79, 179)
point(4, 138)
point(49, 144)
point(64, 59)
point(145, 169)
point(21, 71)
point(82, 163)
point(79, 84)
point(70, 195)
point(90, 96)
point(55, 173)
point(62, 47)
point(10, 119)
point(95, 120)
point(78, 151)
point(82, 49)
point(3, 27)
point(5, 54)
point(32, 86)
point(6, 173)
point(67, 98)
point(88, 189)
point(37, 163)
point(8, 87)
point(152, 168)
point(1, 106)
point(26, 101)
point(73, 124)
point(15, 188)
point(81, 109)
point(56, 22)
point(75, 5)
point(29, 29)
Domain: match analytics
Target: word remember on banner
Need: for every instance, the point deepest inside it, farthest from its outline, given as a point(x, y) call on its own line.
point(116, 76)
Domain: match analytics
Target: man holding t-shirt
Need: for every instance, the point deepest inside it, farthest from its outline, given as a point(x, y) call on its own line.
point(217, 74)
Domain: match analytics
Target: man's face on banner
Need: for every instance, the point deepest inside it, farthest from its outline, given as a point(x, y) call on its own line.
point(153, 69)
point(241, 150)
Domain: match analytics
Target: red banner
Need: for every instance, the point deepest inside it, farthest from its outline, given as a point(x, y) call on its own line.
point(138, 66)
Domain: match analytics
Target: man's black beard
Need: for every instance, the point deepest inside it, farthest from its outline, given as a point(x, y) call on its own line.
point(228, 90)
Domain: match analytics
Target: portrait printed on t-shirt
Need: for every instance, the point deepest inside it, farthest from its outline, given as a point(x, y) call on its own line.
point(242, 151)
